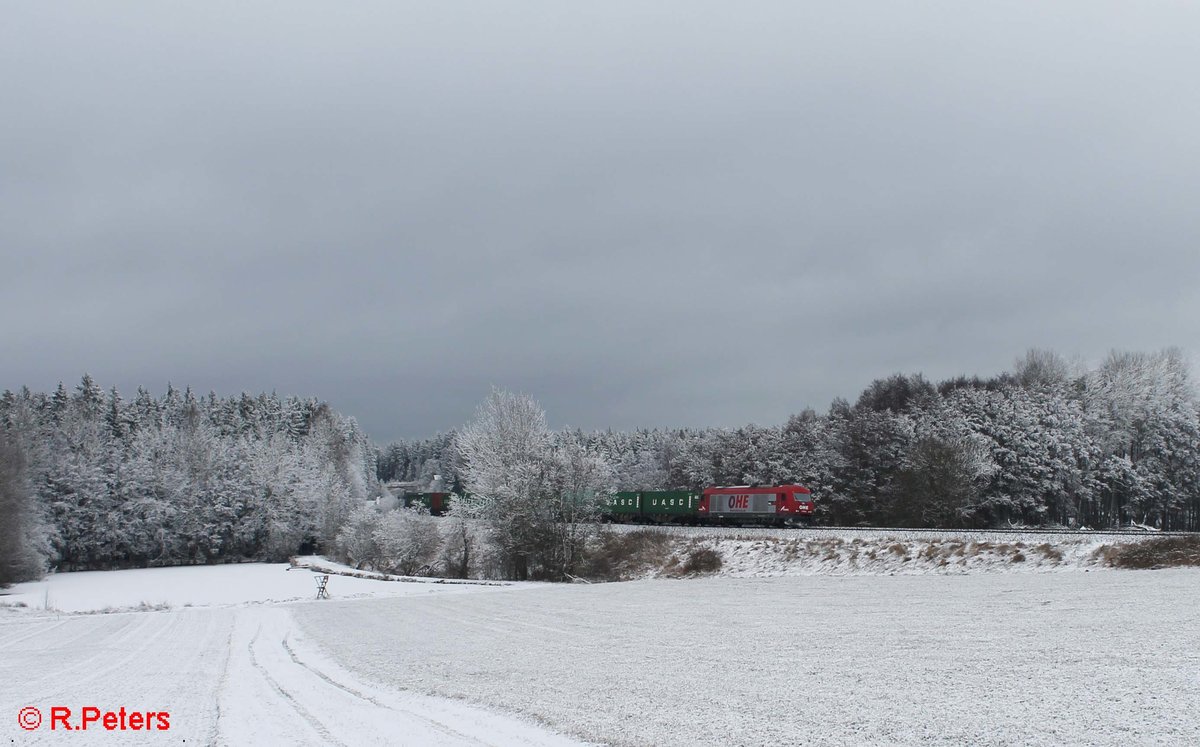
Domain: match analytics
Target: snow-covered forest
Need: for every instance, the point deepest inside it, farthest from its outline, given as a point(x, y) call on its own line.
point(94, 481)
point(1047, 443)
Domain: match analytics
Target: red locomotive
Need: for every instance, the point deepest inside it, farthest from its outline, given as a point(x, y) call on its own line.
point(768, 504)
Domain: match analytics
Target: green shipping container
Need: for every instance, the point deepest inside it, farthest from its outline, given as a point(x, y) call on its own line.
point(670, 502)
point(624, 503)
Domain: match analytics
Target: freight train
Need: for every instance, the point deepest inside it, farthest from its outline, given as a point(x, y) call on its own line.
point(778, 505)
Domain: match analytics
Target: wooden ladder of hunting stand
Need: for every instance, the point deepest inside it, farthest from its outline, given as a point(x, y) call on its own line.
point(322, 582)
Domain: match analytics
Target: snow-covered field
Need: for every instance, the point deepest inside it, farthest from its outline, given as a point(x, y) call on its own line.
point(1103, 657)
point(225, 661)
point(204, 586)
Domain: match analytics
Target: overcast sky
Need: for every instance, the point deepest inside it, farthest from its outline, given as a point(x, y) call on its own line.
point(643, 214)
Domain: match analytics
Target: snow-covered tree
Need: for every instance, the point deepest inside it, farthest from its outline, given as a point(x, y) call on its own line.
point(24, 542)
point(577, 481)
point(810, 452)
point(1042, 368)
point(505, 454)
point(408, 540)
point(1142, 408)
point(871, 447)
point(944, 471)
point(535, 500)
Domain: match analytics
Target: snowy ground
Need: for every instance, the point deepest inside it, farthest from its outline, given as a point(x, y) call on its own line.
point(1102, 657)
point(760, 557)
point(1028, 536)
point(202, 586)
point(756, 553)
point(228, 666)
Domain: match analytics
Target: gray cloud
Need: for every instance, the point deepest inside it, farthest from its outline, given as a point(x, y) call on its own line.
point(684, 214)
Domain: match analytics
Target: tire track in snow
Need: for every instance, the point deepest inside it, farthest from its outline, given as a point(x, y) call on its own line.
point(274, 663)
point(411, 714)
point(222, 680)
point(291, 701)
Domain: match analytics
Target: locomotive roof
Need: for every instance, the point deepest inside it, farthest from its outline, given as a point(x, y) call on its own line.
point(758, 488)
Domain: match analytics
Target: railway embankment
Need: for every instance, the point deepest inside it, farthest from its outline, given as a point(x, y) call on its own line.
point(656, 553)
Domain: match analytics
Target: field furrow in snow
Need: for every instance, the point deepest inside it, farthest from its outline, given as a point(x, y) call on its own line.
point(142, 661)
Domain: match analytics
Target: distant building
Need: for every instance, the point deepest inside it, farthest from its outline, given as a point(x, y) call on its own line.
point(398, 487)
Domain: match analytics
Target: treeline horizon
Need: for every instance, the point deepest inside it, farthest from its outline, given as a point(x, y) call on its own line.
point(90, 480)
point(1048, 443)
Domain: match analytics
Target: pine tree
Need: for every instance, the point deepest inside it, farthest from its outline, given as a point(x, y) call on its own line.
point(24, 545)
